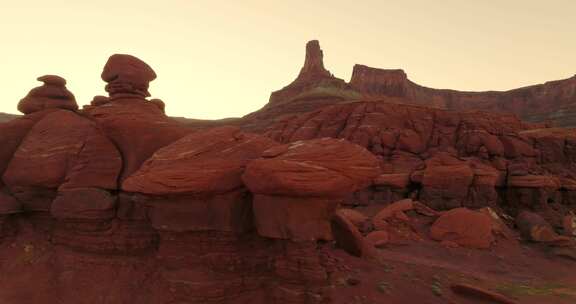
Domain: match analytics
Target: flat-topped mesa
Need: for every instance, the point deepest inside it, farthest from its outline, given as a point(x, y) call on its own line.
point(314, 62)
point(51, 95)
point(127, 76)
point(379, 82)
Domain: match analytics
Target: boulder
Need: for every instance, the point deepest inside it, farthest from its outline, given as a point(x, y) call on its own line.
point(204, 162)
point(387, 212)
point(357, 218)
point(465, 227)
point(347, 237)
point(535, 228)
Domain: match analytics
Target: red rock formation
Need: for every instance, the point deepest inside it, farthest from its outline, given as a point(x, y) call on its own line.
point(52, 95)
point(298, 186)
point(552, 102)
point(127, 112)
point(127, 76)
point(118, 203)
point(203, 162)
point(464, 227)
point(64, 148)
point(549, 102)
point(314, 87)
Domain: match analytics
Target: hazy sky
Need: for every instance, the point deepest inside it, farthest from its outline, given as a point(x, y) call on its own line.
point(218, 59)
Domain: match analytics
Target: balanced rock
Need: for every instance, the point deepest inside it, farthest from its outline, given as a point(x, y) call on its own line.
point(127, 75)
point(52, 95)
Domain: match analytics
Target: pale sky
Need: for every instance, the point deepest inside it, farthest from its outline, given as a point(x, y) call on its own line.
point(217, 59)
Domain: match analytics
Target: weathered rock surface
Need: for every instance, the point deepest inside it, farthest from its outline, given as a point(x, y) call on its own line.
point(64, 149)
point(298, 186)
point(552, 102)
point(127, 76)
point(464, 227)
point(52, 95)
point(211, 161)
point(118, 203)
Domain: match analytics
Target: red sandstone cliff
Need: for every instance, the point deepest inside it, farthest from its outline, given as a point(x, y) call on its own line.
point(553, 102)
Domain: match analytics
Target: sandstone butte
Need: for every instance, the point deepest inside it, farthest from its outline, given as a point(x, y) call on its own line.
point(375, 190)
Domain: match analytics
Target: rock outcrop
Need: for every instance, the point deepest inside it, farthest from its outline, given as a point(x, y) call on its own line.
point(52, 95)
point(127, 76)
point(119, 195)
point(298, 186)
point(551, 103)
point(119, 203)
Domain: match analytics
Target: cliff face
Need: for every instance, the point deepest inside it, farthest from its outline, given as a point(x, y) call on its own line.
point(553, 102)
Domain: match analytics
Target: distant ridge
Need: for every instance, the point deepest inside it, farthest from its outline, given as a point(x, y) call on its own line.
point(4, 117)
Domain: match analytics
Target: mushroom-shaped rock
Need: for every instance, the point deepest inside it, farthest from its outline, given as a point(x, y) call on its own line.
point(324, 167)
point(127, 75)
point(204, 169)
point(464, 227)
point(210, 161)
point(298, 186)
point(64, 149)
point(52, 95)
